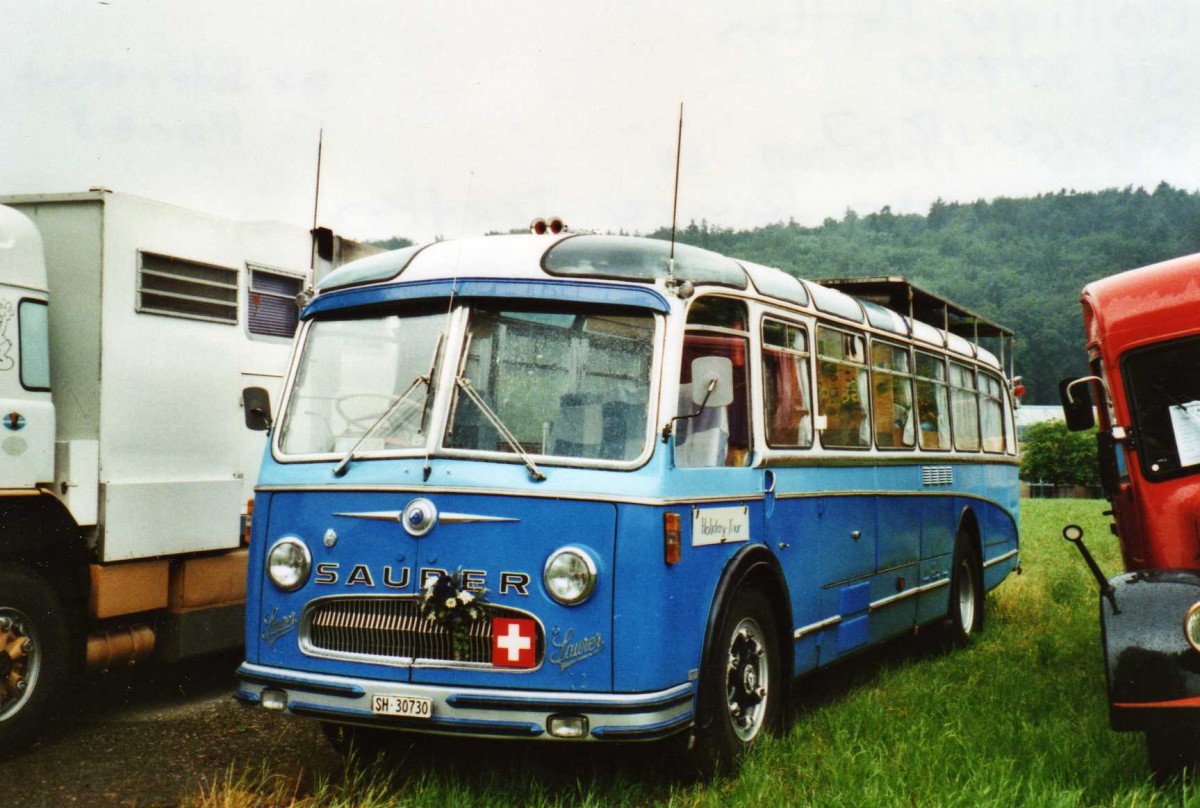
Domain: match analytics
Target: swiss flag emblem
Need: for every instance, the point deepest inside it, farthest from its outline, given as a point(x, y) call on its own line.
point(514, 642)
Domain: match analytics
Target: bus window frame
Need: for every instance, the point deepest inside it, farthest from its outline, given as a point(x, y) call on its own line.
point(910, 376)
point(823, 417)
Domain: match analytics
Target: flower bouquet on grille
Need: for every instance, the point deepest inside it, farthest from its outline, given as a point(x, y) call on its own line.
point(454, 608)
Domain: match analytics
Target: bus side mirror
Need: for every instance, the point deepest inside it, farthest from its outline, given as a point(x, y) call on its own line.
point(1077, 403)
point(712, 381)
point(257, 403)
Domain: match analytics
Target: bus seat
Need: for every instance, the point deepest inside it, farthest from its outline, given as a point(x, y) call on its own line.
point(579, 428)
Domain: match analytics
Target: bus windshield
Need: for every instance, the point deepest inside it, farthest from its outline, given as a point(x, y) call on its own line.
point(555, 382)
point(1164, 389)
point(564, 384)
point(353, 373)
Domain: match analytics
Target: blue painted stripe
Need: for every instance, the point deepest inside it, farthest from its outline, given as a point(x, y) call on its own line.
point(301, 683)
point(644, 731)
point(571, 292)
point(518, 703)
point(515, 729)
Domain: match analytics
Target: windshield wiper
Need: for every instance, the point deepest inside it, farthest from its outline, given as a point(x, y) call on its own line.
point(464, 384)
point(341, 467)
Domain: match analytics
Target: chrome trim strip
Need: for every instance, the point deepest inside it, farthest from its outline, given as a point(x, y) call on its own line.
point(890, 599)
point(511, 492)
point(934, 585)
point(1000, 558)
point(809, 629)
point(444, 518)
point(463, 518)
point(476, 710)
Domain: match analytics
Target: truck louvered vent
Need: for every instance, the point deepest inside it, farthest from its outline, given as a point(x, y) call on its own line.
point(271, 302)
point(392, 629)
point(937, 475)
point(189, 289)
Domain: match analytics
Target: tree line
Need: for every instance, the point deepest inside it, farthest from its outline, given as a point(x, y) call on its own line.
point(1020, 262)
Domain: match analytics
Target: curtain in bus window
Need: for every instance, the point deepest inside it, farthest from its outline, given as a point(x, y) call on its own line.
point(786, 398)
point(718, 436)
point(991, 413)
point(843, 389)
point(966, 407)
point(933, 405)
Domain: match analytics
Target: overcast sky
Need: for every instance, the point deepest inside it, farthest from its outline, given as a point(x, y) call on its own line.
point(453, 118)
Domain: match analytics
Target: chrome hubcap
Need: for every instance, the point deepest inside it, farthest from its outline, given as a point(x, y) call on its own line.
point(747, 680)
point(966, 596)
point(19, 661)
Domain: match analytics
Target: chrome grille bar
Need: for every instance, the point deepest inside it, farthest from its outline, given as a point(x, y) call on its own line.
point(392, 629)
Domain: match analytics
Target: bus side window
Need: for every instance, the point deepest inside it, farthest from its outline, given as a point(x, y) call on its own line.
point(933, 405)
point(787, 399)
point(966, 407)
point(891, 394)
point(991, 412)
point(718, 436)
point(842, 389)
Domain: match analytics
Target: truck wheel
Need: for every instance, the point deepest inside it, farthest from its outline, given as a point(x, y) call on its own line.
point(742, 685)
point(1172, 752)
point(965, 612)
point(34, 656)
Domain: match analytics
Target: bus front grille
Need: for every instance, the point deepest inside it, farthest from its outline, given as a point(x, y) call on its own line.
point(391, 629)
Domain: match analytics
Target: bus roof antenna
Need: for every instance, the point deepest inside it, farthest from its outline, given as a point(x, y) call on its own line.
point(672, 282)
point(312, 264)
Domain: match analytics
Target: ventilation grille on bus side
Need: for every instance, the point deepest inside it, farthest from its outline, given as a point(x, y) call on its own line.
point(392, 630)
point(937, 475)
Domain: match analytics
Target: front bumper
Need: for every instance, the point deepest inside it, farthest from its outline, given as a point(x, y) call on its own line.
point(480, 712)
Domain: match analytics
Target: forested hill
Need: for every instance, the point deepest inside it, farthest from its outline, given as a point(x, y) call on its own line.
point(1020, 262)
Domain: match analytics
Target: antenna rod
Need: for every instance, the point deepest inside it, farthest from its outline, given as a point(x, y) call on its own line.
point(675, 200)
point(317, 193)
point(317, 197)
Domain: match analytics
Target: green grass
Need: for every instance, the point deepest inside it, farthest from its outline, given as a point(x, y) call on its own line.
point(1018, 718)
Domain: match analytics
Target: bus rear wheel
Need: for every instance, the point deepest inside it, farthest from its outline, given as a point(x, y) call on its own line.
point(965, 612)
point(741, 684)
point(34, 657)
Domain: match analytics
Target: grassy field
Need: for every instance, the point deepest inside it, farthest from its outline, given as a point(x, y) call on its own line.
point(1018, 718)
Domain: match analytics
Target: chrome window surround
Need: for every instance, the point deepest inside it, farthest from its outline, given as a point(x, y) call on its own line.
point(441, 412)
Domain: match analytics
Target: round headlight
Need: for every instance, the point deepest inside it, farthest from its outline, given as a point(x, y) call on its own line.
point(288, 564)
point(1191, 626)
point(569, 576)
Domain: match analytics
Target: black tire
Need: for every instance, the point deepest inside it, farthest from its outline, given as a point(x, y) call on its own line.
point(964, 613)
point(35, 657)
point(1172, 753)
point(742, 684)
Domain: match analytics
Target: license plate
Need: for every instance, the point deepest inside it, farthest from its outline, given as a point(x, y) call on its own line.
point(402, 706)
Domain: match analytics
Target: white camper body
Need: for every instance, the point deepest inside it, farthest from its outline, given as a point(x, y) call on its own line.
point(126, 466)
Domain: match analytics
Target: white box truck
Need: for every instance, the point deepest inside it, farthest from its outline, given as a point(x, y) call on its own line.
point(128, 329)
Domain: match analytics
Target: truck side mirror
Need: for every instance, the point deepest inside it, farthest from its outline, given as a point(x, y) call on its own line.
point(1077, 403)
point(257, 403)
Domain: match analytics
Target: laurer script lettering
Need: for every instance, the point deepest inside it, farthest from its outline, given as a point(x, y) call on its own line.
point(275, 626)
point(567, 650)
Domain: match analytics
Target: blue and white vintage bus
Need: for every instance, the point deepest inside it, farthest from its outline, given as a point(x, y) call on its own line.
point(572, 487)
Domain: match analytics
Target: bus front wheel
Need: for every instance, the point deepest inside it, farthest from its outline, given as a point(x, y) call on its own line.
point(741, 683)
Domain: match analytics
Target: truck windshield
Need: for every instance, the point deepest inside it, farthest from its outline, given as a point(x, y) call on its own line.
point(568, 384)
point(351, 373)
point(564, 384)
point(1164, 387)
